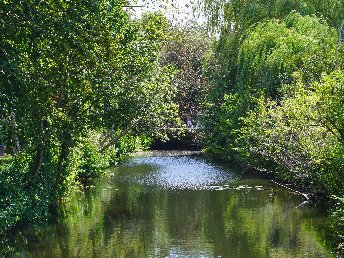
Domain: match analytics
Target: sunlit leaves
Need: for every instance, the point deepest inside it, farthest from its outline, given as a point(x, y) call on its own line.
point(273, 50)
point(71, 67)
point(303, 134)
point(277, 97)
point(186, 51)
point(239, 15)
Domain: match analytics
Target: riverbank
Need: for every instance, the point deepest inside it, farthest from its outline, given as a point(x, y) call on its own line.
point(332, 205)
point(34, 217)
point(32, 199)
point(276, 97)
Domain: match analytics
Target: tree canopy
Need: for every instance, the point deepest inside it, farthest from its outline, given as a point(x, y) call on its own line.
point(74, 72)
point(275, 75)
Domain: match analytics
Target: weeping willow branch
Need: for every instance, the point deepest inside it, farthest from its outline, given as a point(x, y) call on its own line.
point(340, 41)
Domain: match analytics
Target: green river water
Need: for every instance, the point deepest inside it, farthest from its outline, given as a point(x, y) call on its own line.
point(174, 204)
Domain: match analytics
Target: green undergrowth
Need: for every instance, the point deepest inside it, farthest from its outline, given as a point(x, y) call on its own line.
point(28, 199)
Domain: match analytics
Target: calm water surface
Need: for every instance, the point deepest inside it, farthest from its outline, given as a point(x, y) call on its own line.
point(173, 204)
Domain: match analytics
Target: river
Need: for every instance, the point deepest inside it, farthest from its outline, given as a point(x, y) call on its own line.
point(177, 204)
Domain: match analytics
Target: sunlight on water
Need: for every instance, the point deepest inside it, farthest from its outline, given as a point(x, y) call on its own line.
point(184, 172)
point(176, 204)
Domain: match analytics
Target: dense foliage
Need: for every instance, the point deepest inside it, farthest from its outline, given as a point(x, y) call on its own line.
point(83, 83)
point(75, 79)
point(186, 50)
point(276, 102)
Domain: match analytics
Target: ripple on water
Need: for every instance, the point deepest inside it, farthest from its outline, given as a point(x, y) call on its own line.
point(175, 172)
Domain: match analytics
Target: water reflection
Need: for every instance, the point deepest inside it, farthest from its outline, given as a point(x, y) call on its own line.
point(177, 206)
point(173, 172)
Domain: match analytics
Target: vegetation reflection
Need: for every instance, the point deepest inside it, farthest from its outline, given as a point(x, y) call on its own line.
point(113, 218)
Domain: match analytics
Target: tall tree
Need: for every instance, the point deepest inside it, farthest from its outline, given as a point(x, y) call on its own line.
point(69, 66)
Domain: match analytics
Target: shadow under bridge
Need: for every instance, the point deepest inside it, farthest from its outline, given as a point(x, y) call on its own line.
point(178, 138)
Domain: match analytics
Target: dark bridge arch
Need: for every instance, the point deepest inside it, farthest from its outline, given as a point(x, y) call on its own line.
point(179, 139)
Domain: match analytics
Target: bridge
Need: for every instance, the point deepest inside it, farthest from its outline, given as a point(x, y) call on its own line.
point(180, 138)
point(179, 129)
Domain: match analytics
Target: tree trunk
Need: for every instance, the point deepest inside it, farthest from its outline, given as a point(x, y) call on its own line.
point(39, 161)
point(16, 148)
point(60, 167)
point(118, 137)
point(39, 153)
point(107, 136)
point(340, 41)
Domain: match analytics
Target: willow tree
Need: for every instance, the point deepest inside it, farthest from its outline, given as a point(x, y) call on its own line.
point(234, 70)
point(239, 15)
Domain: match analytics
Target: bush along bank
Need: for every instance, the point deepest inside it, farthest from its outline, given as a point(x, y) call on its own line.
point(28, 199)
point(296, 141)
point(277, 103)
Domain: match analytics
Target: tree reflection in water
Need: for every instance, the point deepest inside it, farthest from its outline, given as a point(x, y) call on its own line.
point(134, 214)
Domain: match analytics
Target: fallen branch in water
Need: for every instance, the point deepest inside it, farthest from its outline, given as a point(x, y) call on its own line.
point(307, 199)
